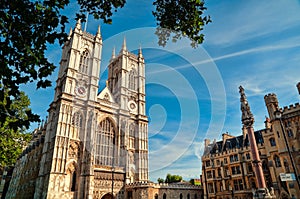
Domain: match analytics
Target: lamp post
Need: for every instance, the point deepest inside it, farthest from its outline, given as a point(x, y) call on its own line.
point(278, 115)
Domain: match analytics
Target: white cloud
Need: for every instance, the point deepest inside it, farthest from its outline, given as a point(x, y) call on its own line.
point(245, 20)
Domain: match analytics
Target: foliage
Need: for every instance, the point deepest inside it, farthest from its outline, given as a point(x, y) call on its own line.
point(160, 180)
point(182, 18)
point(99, 9)
point(173, 178)
point(12, 138)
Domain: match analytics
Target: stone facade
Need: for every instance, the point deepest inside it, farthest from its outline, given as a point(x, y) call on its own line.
point(227, 165)
point(92, 143)
point(163, 191)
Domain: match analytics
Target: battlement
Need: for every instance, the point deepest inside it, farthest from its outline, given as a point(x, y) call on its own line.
point(271, 98)
point(291, 107)
point(89, 35)
point(162, 185)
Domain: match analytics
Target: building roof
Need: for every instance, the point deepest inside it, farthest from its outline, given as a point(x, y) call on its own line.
point(232, 143)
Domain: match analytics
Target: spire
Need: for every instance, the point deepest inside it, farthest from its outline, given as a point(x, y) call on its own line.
point(98, 34)
point(78, 25)
point(42, 124)
point(70, 33)
point(140, 52)
point(46, 121)
point(113, 54)
point(124, 48)
point(247, 116)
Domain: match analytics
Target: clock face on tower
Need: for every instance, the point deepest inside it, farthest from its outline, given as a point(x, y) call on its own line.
point(80, 91)
point(132, 105)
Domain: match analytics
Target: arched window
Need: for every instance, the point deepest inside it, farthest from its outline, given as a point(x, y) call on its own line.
point(132, 80)
point(131, 136)
point(195, 197)
point(71, 177)
point(165, 196)
point(264, 165)
point(84, 62)
point(290, 133)
point(252, 183)
point(73, 181)
point(272, 142)
point(156, 196)
point(277, 161)
point(286, 166)
point(77, 120)
point(180, 196)
point(105, 136)
point(188, 196)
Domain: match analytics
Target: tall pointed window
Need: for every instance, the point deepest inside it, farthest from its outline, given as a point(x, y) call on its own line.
point(77, 120)
point(131, 136)
point(165, 196)
point(84, 62)
point(277, 161)
point(105, 136)
point(71, 178)
point(132, 80)
point(73, 181)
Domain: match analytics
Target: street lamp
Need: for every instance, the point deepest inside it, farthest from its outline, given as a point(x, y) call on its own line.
point(278, 115)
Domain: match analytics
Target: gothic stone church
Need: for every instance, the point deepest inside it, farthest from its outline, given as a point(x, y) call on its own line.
point(93, 143)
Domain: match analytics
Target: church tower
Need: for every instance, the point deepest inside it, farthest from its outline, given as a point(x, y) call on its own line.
point(95, 143)
point(66, 163)
point(126, 82)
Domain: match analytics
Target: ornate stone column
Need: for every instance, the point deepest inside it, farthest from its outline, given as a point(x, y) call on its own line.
point(248, 120)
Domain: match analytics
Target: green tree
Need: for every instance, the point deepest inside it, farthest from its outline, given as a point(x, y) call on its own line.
point(173, 178)
point(160, 180)
point(12, 137)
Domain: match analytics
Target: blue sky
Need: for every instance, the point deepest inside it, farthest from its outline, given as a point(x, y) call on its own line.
point(192, 94)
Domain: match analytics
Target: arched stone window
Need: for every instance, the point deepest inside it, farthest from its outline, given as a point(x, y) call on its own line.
point(156, 196)
point(165, 196)
point(265, 165)
point(73, 181)
point(180, 196)
point(286, 166)
point(132, 136)
point(77, 120)
point(277, 161)
point(132, 80)
point(188, 196)
point(72, 177)
point(84, 62)
point(195, 197)
point(290, 133)
point(105, 140)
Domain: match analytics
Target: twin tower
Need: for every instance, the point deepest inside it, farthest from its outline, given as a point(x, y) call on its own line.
point(94, 143)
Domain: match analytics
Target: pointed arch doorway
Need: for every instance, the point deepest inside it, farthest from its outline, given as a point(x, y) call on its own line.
point(107, 196)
